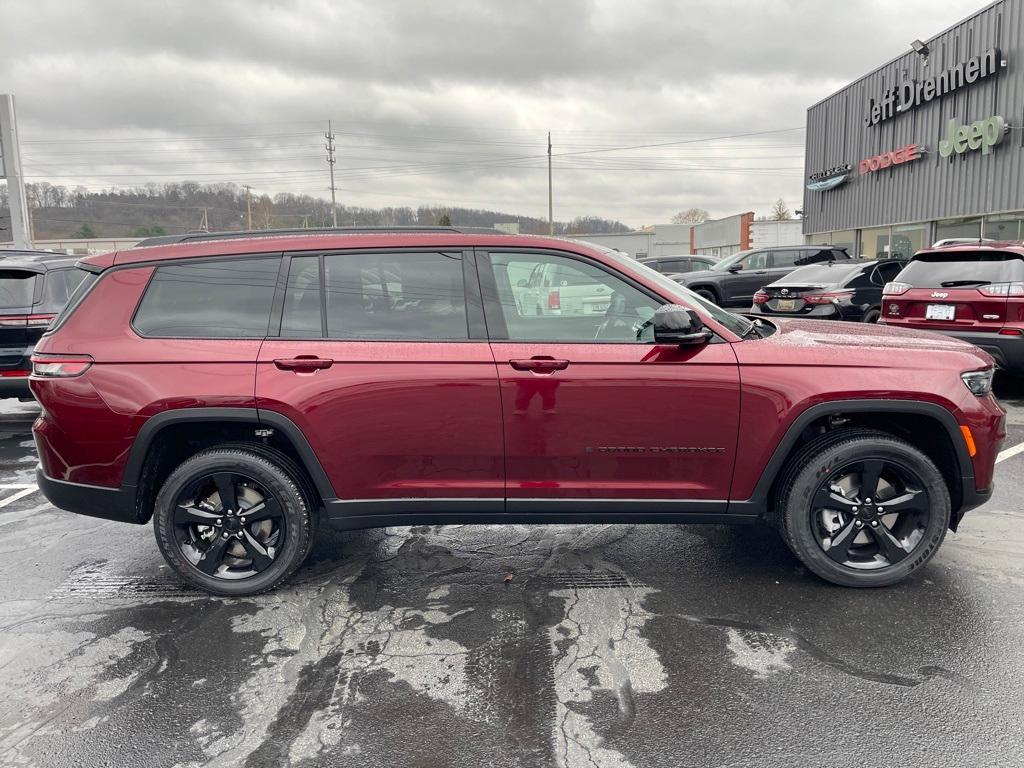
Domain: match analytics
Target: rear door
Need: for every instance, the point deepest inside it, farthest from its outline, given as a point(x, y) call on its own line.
point(956, 291)
point(381, 360)
point(593, 409)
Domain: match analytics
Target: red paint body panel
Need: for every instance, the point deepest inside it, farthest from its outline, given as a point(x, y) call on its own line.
point(587, 431)
point(394, 419)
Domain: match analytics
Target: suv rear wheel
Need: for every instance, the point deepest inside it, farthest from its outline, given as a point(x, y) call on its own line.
point(233, 521)
point(862, 508)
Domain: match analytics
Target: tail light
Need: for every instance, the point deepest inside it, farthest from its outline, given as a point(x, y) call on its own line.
point(26, 321)
point(760, 297)
point(1011, 332)
point(828, 297)
point(1002, 289)
point(60, 366)
point(554, 300)
point(896, 289)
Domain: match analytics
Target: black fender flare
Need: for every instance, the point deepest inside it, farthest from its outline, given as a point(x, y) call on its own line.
point(760, 497)
point(257, 417)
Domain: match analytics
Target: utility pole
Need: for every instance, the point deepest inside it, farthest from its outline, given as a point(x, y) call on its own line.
point(330, 162)
point(10, 154)
point(248, 205)
point(551, 208)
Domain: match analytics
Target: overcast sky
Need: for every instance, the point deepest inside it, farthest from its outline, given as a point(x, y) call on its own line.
point(447, 102)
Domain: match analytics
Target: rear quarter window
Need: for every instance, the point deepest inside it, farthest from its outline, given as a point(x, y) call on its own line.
point(224, 299)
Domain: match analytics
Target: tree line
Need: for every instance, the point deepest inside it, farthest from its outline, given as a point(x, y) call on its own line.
point(61, 212)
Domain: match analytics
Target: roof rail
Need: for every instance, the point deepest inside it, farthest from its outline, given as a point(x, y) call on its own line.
point(191, 237)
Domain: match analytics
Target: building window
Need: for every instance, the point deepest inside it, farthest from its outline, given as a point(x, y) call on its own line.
point(908, 240)
point(968, 228)
point(874, 243)
point(1009, 227)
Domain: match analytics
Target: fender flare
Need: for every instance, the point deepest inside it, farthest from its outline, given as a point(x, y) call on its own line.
point(257, 417)
point(759, 498)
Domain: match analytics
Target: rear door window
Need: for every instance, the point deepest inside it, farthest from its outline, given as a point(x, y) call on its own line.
point(395, 296)
point(17, 289)
point(224, 299)
point(963, 269)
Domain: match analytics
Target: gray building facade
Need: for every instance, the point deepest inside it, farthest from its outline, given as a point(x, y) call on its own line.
point(927, 147)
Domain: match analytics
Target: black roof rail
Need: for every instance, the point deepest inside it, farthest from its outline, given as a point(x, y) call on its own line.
point(191, 237)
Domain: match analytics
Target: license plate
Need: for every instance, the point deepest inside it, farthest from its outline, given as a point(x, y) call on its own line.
point(593, 309)
point(940, 312)
point(786, 305)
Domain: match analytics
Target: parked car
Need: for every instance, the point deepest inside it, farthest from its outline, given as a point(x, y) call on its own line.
point(674, 265)
point(831, 291)
point(34, 287)
point(241, 391)
point(970, 292)
point(559, 289)
point(733, 281)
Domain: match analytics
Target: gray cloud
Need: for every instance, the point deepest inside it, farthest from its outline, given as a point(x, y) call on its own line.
point(438, 97)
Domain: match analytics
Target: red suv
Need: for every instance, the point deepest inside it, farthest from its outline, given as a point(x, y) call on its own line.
point(971, 292)
point(240, 391)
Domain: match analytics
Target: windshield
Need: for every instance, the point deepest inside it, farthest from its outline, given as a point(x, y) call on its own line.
point(735, 323)
point(963, 268)
point(17, 288)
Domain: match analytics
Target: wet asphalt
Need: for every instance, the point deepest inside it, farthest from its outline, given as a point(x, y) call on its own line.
point(592, 645)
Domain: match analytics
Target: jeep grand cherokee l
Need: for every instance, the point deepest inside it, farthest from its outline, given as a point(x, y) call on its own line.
point(241, 391)
point(733, 281)
point(970, 292)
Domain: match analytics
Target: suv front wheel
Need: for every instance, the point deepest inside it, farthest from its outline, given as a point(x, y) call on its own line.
point(862, 508)
point(233, 521)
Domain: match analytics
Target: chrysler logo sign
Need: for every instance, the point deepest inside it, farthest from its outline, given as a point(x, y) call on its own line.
point(830, 178)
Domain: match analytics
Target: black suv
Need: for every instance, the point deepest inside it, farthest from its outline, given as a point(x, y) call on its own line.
point(831, 291)
point(34, 287)
point(733, 281)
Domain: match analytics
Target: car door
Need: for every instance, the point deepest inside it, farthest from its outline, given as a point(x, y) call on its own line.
point(381, 360)
point(594, 410)
point(741, 286)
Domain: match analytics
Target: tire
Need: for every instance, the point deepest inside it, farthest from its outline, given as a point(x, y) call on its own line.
point(274, 546)
point(707, 293)
point(877, 550)
point(872, 315)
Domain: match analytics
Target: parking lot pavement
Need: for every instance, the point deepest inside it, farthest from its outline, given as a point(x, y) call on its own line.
point(589, 645)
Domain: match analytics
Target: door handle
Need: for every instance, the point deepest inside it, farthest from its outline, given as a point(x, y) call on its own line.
point(540, 364)
point(304, 364)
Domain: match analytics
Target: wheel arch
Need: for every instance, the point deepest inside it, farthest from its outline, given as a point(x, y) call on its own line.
point(928, 426)
point(167, 438)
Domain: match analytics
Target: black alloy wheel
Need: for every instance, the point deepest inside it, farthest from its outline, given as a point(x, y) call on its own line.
point(228, 526)
point(870, 514)
point(862, 508)
point(705, 293)
point(235, 520)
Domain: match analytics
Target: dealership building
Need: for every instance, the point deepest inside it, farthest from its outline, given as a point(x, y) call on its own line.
point(927, 147)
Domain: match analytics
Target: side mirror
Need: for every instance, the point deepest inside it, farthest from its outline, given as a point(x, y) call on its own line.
point(674, 324)
point(735, 268)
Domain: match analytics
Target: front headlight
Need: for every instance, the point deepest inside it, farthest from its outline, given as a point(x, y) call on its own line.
point(979, 382)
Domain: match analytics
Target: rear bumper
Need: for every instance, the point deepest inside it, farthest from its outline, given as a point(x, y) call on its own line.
point(15, 387)
point(91, 500)
point(1008, 351)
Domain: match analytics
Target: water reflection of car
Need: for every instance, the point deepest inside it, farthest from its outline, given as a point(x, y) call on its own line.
point(557, 289)
point(831, 291)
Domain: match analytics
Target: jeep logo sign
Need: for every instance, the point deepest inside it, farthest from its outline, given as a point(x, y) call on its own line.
point(981, 134)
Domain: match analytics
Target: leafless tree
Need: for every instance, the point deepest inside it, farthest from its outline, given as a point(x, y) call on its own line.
point(691, 216)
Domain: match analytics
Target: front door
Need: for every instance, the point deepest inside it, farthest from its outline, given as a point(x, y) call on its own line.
point(593, 409)
point(754, 275)
point(376, 363)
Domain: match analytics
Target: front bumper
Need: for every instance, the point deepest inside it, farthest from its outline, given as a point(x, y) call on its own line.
point(91, 500)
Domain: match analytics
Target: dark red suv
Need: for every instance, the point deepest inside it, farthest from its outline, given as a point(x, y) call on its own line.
point(971, 292)
point(240, 391)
